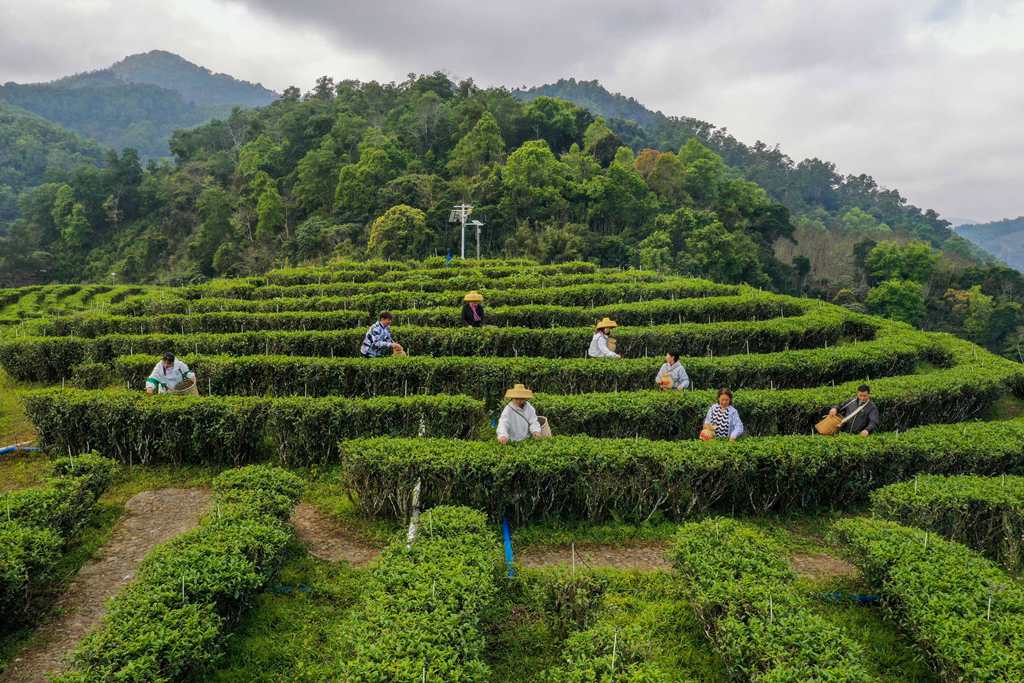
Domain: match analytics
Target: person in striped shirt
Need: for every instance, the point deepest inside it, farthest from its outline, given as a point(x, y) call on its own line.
point(378, 342)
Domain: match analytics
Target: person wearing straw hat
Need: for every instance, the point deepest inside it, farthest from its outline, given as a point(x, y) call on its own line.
point(473, 309)
point(168, 373)
point(518, 420)
point(599, 347)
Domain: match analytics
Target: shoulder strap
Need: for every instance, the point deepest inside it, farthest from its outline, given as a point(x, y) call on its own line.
point(854, 413)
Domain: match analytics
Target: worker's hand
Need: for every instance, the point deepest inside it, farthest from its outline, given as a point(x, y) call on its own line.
point(732, 438)
point(535, 435)
point(502, 439)
point(833, 412)
point(865, 433)
point(149, 389)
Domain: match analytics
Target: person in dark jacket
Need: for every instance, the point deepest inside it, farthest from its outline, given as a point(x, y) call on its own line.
point(473, 309)
point(864, 412)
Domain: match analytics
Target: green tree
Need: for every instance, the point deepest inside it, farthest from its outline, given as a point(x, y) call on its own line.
point(862, 224)
point(401, 233)
point(260, 154)
point(655, 252)
point(215, 210)
point(899, 300)
point(533, 180)
point(601, 142)
point(714, 252)
point(271, 214)
point(317, 171)
point(914, 261)
point(480, 147)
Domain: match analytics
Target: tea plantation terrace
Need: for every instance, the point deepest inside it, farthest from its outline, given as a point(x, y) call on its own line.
point(282, 383)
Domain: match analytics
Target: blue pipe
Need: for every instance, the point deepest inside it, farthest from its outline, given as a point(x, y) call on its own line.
point(506, 533)
point(16, 448)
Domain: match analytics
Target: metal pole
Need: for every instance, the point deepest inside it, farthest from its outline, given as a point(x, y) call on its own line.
point(462, 215)
point(478, 243)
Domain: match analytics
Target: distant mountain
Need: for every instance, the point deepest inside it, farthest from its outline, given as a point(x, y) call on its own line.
point(137, 102)
point(1003, 239)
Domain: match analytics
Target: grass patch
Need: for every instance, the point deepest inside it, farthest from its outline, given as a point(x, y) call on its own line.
point(22, 470)
point(14, 425)
point(891, 656)
point(286, 636)
point(1006, 408)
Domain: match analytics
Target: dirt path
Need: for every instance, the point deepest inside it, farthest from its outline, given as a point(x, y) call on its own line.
point(652, 557)
point(151, 518)
point(328, 540)
point(819, 566)
point(641, 557)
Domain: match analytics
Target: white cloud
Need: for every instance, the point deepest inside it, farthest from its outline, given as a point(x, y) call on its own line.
point(924, 96)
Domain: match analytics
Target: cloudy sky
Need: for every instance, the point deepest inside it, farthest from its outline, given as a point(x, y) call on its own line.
point(924, 95)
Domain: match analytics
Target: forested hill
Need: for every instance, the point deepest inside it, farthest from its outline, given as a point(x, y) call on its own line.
point(1003, 239)
point(33, 151)
point(137, 102)
point(359, 170)
point(805, 187)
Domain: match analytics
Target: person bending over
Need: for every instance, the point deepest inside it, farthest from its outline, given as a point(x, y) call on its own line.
point(167, 375)
point(518, 420)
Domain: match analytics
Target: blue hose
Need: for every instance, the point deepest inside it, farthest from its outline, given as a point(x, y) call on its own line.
point(17, 448)
point(506, 533)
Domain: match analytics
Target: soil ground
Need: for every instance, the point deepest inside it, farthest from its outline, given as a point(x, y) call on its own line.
point(328, 540)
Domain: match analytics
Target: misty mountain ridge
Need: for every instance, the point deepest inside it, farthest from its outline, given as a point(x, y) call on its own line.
point(1003, 239)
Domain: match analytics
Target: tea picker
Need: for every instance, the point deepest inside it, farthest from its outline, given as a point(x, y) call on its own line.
point(601, 344)
point(171, 375)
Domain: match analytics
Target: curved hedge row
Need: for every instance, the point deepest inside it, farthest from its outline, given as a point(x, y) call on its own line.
point(134, 428)
point(50, 358)
point(173, 301)
point(964, 613)
point(37, 524)
point(489, 377)
point(453, 286)
point(588, 478)
point(742, 591)
point(420, 617)
point(905, 401)
point(707, 309)
point(171, 622)
point(354, 271)
point(984, 513)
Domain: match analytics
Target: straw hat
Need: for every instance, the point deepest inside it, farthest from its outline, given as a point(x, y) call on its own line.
point(519, 391)
point(473, 297)
point(605, 322)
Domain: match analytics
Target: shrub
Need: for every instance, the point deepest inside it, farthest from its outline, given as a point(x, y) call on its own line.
point(489, 377)
point(134, 428)
point(984, 513)
point(964, 613)
point(588, 478)
point(48, 358)
point(742, 591)
point(421, 613)
point(91, 375)
point(170, 623)
point(951, 395)
point(704, 310)
point(39, 522)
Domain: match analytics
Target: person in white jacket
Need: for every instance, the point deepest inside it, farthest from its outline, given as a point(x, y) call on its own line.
point(599, 342)
point(168, 373)
point(518, 420)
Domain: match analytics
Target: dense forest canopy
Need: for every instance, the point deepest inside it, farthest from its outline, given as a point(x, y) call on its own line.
point(355, 169)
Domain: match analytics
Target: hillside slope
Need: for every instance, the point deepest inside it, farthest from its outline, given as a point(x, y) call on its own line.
point(1003, 239)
